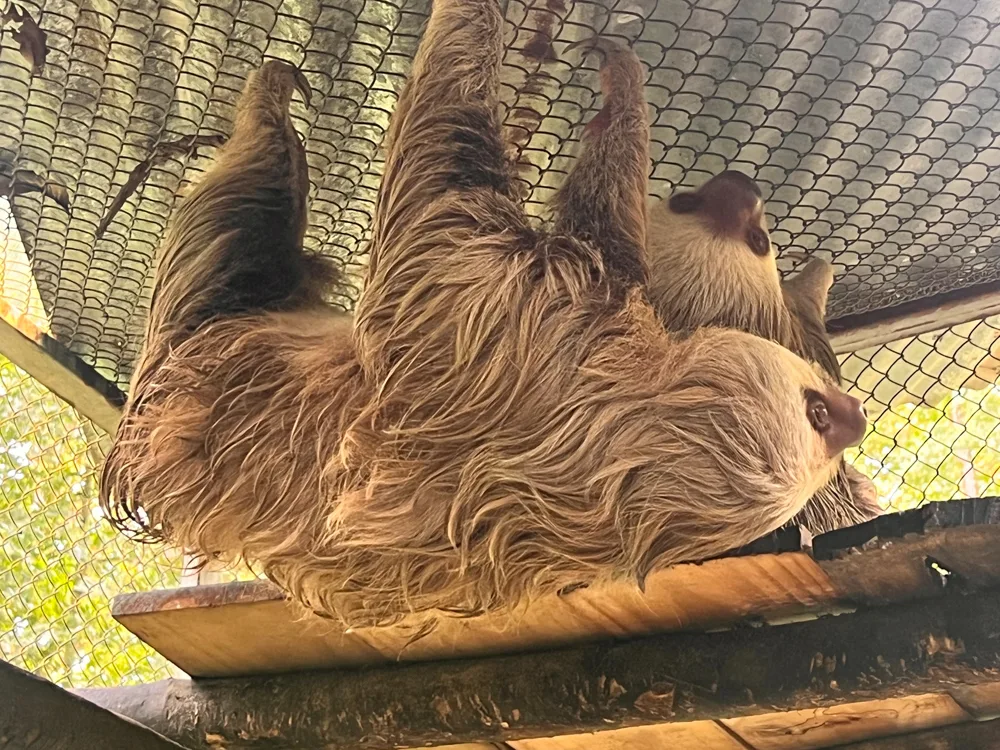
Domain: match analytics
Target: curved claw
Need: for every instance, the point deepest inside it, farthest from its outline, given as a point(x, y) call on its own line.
point(303, 87)
point(286, 74)
point(607, 47)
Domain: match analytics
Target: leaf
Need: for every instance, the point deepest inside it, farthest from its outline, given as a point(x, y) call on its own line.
point(188, 146)
point(28, 35)
point(25, 181)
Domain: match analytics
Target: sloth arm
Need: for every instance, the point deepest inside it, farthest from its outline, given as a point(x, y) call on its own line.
point(234, 245)
point(603, 200)
point(448, 189)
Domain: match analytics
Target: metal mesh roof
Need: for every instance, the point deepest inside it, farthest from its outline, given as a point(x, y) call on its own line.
point(871, 126)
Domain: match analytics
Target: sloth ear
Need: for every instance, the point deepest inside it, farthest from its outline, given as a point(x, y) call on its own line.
point(809, 288)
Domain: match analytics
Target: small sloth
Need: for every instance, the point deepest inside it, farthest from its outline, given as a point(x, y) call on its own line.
point(504, 417)
point(712, 264)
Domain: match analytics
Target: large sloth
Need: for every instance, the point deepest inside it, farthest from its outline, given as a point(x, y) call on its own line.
point(504, 417)
point(713, 264)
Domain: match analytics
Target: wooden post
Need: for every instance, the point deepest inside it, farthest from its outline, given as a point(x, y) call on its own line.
point(748, 670)
point(37, 714)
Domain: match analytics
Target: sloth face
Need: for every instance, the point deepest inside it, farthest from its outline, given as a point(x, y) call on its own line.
point(711, 259)
point(764, 407)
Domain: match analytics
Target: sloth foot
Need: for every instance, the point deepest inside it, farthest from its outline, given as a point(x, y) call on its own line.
point(623, 77)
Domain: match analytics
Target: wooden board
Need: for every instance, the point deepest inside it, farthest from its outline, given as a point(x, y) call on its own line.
point(704, 735)
point(249, 628)
point(810, 729)
point(828, 726)
point(59, 370)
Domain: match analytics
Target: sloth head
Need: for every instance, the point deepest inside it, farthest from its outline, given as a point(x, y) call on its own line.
point(758, 422)
point(712, 262)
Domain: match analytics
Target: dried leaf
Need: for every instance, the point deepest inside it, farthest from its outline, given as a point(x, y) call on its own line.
point(28, 35)
point(25, 181)
point(187, 146)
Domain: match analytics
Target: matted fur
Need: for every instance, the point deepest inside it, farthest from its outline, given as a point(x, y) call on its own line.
point(505, 416)
point(702, 278)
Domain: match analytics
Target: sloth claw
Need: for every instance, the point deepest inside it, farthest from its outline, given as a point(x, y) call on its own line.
point(620, 66)
point(287, 74)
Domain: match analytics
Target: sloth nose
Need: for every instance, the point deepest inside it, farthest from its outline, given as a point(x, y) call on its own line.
point(848, 421)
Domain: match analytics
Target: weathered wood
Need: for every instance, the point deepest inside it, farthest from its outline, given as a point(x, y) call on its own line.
point(38, 715)
point(835, 725)
point(976, 736)
point(249, 628)
point(703, 735)
point(854, 332)
point(879, 653)
point(807, 729)
point(59, 370)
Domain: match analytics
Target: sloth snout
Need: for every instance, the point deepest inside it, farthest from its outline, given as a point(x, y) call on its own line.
point(847, 421)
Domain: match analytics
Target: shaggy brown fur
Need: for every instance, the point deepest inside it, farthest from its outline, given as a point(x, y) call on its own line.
point(713, 264)
point(507, 417)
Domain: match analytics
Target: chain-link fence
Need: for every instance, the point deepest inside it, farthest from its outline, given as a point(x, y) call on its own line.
point(934, 404)
point(60, 563)
point(872, 127)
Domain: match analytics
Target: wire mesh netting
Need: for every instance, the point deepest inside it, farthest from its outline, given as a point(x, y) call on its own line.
point(934, 406)
point(60, 563)
point(871, 126)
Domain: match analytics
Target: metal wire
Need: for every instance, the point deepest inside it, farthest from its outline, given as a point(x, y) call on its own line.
point(60, 563)
point(934, 404)
point(872, 128)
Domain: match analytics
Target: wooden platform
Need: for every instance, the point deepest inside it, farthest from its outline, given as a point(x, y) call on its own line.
point(249, 628)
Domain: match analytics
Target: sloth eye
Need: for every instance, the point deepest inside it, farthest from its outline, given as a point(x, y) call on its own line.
point(758, 241)
point(817, 412)
point(685, 203)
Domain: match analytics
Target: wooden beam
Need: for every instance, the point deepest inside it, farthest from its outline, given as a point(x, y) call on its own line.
point(248, 628)
point(976, 736)
point(871, 654)
point(805, 729)
point(59, 370)
point(37, 714)
point(854, 332)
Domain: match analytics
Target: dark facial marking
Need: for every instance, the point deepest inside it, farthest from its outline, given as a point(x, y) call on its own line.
point(732, 203)
point(758, 241)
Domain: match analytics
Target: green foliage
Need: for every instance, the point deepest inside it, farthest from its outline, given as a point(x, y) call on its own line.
point(930, 452)
point(60, 562)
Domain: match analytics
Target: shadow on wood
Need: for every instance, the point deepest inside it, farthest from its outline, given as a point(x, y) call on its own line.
point(37, 714)
point(886, 652)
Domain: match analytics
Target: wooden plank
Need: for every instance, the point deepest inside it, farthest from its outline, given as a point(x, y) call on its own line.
point(59, 370)
point(871, 654)
point(34, 713)
point(704, 735)
point(808, 729)
point(821, 727)
point(855, 332)
point(976, 736)
point(249, 628)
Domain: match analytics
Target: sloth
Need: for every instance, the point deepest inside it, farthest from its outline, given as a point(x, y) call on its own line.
point(713, 264)
point(504, 416)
